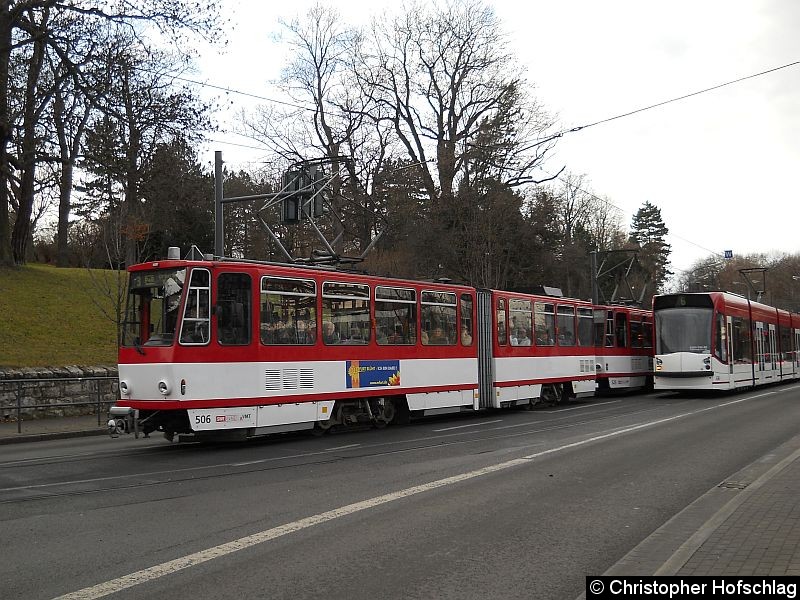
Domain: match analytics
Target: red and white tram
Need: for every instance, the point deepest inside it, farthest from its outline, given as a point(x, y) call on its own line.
point(253, 348)
point(624, 347)
point(722, 341)
point(541, 349)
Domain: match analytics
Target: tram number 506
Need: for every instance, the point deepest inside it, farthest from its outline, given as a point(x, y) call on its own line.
point(200, 419)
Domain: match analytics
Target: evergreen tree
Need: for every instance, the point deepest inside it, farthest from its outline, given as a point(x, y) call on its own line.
point(649, 233)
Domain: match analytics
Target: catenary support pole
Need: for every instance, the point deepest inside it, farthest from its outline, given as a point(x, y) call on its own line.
point(219, 249)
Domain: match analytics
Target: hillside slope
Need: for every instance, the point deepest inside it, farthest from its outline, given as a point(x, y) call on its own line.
point(55, 317)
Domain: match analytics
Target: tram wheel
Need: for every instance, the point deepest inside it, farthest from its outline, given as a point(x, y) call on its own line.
point(550, 394)
point(387, 414)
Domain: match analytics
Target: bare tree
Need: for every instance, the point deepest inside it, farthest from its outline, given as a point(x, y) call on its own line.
point(444, 77)
point(340, 122)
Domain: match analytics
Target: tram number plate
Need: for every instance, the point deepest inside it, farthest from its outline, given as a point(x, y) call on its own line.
point(222, 418)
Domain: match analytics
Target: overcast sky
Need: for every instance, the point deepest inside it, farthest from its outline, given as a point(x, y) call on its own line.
point(722, 166)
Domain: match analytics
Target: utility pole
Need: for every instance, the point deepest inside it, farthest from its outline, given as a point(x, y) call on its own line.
point(219, 249)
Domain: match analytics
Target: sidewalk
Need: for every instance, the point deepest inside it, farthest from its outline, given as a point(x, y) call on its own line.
point(35, 430)
point(748, 524)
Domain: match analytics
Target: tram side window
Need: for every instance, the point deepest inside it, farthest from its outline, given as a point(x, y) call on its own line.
point(395, 316)
point(585, 327)
point(438, 317)
point(636, 332)
point(721, 339)
point(544, 324)
point(196, 316)
point(741, 340)
point(520, 325)
point(566, 325)
point(346, 306)
point(466, 320)
point(234, 309)
point(621, 330)
point(501, 321)
point(288, 311)
point(786, 343)
point(647, 333)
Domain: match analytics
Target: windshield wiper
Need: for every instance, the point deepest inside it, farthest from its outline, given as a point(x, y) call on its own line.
point(138, 345)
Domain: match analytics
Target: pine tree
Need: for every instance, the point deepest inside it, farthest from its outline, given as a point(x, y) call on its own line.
point(649, 233)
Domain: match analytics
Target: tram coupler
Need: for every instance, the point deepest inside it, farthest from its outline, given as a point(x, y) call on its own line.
point(122, 419)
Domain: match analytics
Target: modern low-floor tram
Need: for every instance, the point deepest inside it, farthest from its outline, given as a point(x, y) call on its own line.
point(722, 341)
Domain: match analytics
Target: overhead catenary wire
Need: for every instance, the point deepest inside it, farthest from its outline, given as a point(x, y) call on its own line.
point(549, 138)
point(559, 134)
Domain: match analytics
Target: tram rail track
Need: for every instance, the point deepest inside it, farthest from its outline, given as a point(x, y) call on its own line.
point(354, 452)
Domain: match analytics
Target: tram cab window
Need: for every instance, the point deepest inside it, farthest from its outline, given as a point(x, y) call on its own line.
point(621, 330)
point(288, 311)
point(438, 317)
point(566, 325)
point(395, 316)
point(466, 320)
point(346, 306)
point(233, 309)
point(151, 315)
point(195, 327)
point(585, 327)
point(544, 324)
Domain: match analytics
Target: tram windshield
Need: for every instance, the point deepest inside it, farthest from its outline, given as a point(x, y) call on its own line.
point(683, 330)
point(151, 316)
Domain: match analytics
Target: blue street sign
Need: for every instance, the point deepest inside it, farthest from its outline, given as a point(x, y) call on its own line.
point(728, 253)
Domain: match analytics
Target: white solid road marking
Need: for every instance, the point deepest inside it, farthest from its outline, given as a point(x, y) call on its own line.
point(173, 566)
point(560, 410)
point(470, 425)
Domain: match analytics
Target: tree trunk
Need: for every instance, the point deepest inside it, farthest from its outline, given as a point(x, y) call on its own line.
point(6, 22)
point(22, 226)
point(64, 205)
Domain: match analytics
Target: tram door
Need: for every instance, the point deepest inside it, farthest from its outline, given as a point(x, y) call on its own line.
point(729, 341)
point(796, 354)
point(797, 351)
point(772, 359)
point(759, 343)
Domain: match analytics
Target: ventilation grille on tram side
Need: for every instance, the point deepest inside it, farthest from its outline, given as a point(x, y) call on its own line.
point(289, 379)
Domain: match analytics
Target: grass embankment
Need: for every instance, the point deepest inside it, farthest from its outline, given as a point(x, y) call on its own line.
point(55, 317)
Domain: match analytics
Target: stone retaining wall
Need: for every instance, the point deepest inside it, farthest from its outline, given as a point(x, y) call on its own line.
point(57, 391)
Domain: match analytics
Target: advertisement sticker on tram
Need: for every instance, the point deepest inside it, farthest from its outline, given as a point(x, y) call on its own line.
point(373, 373)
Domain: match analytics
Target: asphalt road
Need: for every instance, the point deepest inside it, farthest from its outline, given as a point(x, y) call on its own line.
point(511, 504)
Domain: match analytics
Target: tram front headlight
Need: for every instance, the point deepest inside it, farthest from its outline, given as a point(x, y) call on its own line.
point(124, 388)
point(163, 387)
